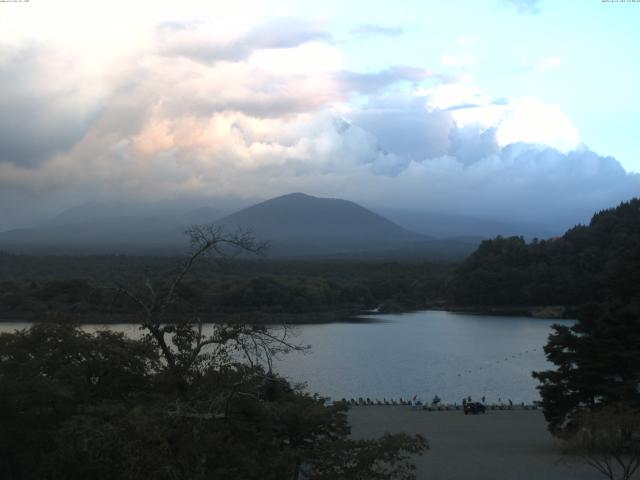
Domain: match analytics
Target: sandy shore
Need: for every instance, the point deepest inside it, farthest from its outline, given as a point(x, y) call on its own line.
point(499, 445)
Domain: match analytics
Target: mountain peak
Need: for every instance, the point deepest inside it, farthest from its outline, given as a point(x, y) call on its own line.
point(295, 195)
point(327, 223)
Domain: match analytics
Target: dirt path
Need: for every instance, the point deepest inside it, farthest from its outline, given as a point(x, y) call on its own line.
point(499, 445)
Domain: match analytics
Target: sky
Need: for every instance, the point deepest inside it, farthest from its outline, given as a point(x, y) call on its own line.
point(501, 109)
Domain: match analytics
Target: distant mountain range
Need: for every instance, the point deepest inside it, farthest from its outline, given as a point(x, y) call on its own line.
point(448, 225)
point(295, 225)
point(98, 228)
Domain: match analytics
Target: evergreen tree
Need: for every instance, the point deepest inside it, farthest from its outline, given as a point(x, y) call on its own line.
point(597, 364)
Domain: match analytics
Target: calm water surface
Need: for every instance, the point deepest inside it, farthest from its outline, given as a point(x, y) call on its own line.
point(424, 353)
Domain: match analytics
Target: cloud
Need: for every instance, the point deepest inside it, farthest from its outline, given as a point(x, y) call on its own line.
point(525, 120)
point(268, 109)
point(530, 121)
point(371, 30)
point(526, 7)
point(403, 125)
point(377, 81)
point(455, 95)
point(43, 112)
point(393, 152)
point(202, 42)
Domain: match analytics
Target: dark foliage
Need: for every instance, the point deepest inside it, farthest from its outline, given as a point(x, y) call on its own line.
point(185, 402)
point(587, 264)
point(74, 405)
point(33, 286)
point(597, 364)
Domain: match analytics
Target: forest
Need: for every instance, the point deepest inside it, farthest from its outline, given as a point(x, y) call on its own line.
point(85, 286)
point(589, 263)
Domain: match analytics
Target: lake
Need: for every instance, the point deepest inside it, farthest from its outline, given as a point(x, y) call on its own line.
point(424, 353)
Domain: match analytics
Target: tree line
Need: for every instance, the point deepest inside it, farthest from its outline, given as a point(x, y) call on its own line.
point(260, 286)
point(591, 398)
point(588, 263)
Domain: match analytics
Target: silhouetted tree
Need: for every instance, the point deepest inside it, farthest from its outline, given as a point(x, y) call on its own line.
point(597, 364)
point(187, 401)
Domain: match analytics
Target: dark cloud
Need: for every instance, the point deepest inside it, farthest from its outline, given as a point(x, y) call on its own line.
point(371, 30)
point(529, 7)
point(404, 127)
point(41, 114)
point(468, 144)
point(191, 39)
point(432, 163)
point(462, 106)
point(376, 81)
point(521, 184)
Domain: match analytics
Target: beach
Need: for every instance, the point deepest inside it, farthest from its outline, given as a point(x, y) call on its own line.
point(497, 445)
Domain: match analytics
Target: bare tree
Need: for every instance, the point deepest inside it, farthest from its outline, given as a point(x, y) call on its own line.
point(609, 441)
point(183, 341)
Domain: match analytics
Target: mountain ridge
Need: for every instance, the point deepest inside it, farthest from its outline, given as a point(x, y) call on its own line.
point(295, 224)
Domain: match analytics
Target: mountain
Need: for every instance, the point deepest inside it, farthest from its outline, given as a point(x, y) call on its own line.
point(442, 225)
point(301, 223)
point(295, 225)
point(98, 227)
point(167, 211)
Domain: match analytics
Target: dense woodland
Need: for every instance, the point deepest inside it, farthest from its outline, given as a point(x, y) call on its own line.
point(84, 285)
point(587, 264)
point(590, 398)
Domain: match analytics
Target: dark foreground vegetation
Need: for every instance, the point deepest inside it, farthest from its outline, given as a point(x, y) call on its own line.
point(187, 401)
point(591, 399)
point(79, 406)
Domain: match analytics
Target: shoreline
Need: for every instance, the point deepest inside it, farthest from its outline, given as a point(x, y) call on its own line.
point(555, 312)
point(258, 318)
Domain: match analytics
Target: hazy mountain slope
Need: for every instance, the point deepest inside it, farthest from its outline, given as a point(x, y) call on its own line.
point(168, 211)
point(318, 224)
point(111, 231)
point(443, 225)
point(295, 225)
